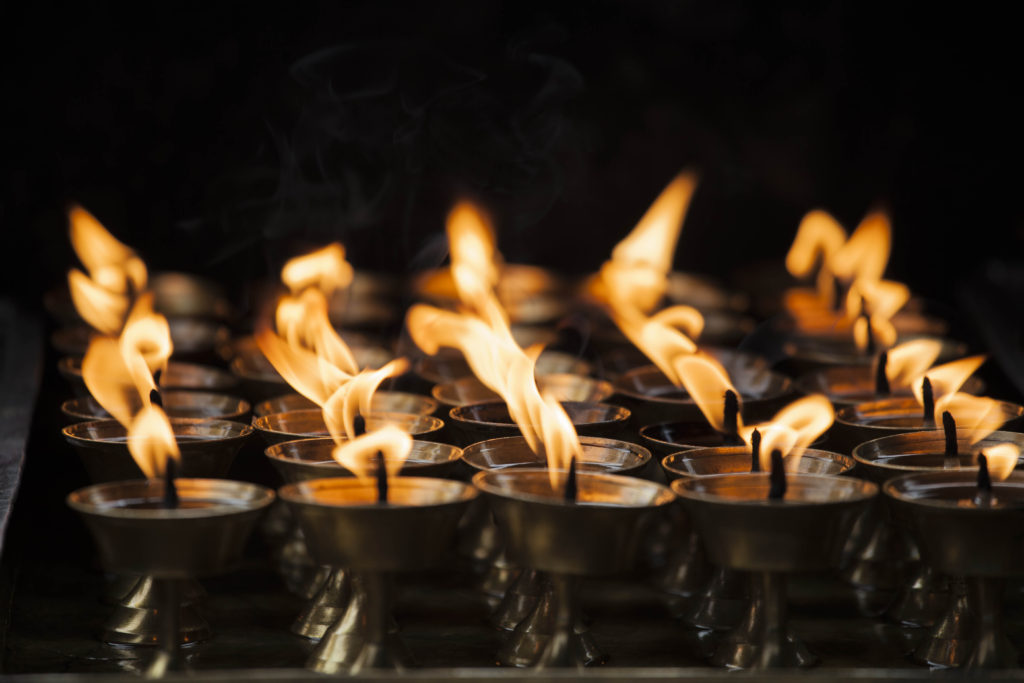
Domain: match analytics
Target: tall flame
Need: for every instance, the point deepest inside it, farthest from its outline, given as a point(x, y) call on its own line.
point(706, 382)
point(115, 273)
point(325, 270)
point(1002, 459)
point(792, 430)
point(946, 381)
point(481, 332)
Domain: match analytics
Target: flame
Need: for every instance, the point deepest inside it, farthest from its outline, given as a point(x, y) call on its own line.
point(355, 396)
point(324, 269)
point(1002, 459)
point(946, 381)
point(819, 233)
point(793, 429)
point(910, 360)
point(706, 382)
point(480, 330)
point(116, 273)
point(151, 441)
point(358, 454)
point(858, 263)
point(120, 372)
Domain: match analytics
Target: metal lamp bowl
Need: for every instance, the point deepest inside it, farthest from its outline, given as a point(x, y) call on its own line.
point(866, 421)
point(482, 421)
point(297, 424)
point(599, 455)
point(957, 539)
point(448, 366)
point(306, 459)
point(344, 526)
point(653, 398)
point(186, 376)
point(879, 460)
point(702, 462)
point(600, 535)
point(564, 387)
point(204, 536)
point(203, 405)
point(207, 447)
point(383, 402)
point(742, 529)
point(807, 354)
point(848, 385)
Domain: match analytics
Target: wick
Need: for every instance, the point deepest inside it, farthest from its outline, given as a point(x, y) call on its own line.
point(949, 427)
point(777, 478)
point(171, 500)
point(730, 418)
point(571, 486)
point(157, 374)
point(928, 401)
point(837, 294)
point(359, 425)
point(871, 335)
point(755, 451)
point(382, 479)
point(983, 498)
point(155, 398)
point(881, 378)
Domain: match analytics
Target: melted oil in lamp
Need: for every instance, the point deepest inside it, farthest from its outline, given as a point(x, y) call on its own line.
point(374, 526)
point(928, 599)
point(201, 405)
point(564, 387)
point(936, 392)
point(772, 524)
point(519, 591)
point(967, 525)
point(303, 460)
point(382, 402)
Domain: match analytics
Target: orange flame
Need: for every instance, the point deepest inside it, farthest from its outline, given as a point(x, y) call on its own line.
point(792, 430)
point(116, 273)
point(481, 332)
point(1002, 459)
point(324, 269)
point(946, 381)
point(706, 381)
point(910, 360)
point(354, 397)
point(151, 441)
point(819, 236)
point(357, 455)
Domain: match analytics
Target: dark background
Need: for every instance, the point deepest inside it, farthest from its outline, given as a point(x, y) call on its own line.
point(223, 137)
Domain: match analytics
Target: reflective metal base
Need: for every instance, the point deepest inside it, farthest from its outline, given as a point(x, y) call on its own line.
point(970, 633)
point(364, 637)
point(326, 607)
point(553, 634)
point(136, 618)
point(762, 640)
point(522, 596)
point(726, 599)
point(923, 599)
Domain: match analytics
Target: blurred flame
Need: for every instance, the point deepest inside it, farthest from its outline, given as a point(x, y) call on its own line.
point(480, 330)
point(120, 372)
point(946, 380)
point(910, 360)
point(859, 264)
point(357, 455)
point(793, 429)
point(115, 273)
point(324, 269)
point(1002, 459)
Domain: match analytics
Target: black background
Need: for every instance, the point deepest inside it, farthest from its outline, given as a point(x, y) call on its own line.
point(223, 137)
